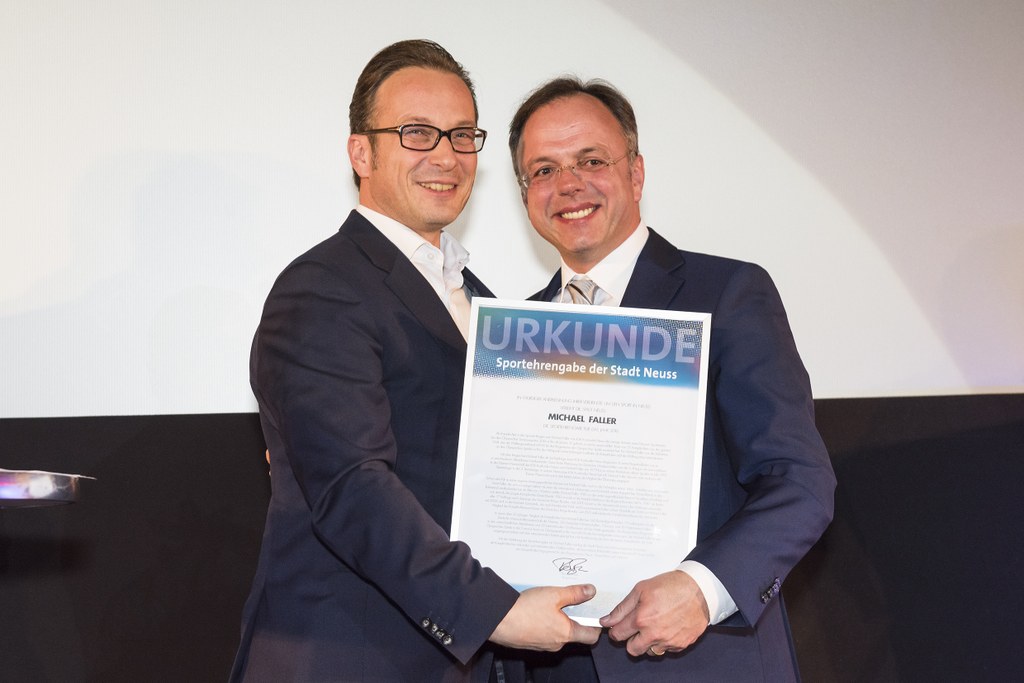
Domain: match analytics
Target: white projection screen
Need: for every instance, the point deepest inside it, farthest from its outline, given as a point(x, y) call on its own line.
point(163, 161)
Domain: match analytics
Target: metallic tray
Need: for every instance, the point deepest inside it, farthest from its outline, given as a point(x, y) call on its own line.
point(33, 488)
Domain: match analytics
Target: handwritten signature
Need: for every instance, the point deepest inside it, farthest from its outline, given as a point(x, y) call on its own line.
point(569, 566)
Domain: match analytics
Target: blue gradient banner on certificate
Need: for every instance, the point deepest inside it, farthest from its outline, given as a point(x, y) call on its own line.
point(580, 445)
point(591, 346)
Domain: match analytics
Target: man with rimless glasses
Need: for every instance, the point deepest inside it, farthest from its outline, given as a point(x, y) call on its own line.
point(358, 366)
point(766, 481)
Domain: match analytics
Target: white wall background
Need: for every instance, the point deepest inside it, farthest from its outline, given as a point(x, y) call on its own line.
point(160, 162)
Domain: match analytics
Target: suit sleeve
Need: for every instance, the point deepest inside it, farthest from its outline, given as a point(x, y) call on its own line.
point(319, 374)
point(763, 419)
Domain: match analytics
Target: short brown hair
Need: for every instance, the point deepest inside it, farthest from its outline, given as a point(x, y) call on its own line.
point(404, 54)
point(569, 86)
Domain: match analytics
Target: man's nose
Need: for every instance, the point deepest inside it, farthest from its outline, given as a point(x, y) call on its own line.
point(570, 181)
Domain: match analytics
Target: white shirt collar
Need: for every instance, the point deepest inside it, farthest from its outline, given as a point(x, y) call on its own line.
point(409, 241)
point(441, 268)
point(613, 272)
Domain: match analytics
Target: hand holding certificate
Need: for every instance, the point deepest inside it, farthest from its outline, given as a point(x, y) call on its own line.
point(580, 450)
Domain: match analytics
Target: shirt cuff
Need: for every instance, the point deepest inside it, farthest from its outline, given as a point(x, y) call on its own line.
point(721, 606)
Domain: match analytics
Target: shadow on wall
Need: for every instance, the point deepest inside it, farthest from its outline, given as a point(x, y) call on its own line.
point(860, 96)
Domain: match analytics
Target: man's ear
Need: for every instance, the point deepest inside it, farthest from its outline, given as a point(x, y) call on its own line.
point(637, 177)
point(360, 155)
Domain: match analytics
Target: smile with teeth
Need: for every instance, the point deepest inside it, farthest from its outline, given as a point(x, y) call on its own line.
point(438, 187)
point(581, 213)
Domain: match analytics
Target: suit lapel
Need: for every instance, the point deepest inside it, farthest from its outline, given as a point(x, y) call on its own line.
point(473, 286)
point(404, 280)
point(548, 293)
point(657, 276)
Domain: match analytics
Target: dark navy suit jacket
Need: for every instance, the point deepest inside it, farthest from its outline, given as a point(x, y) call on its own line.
point(767, 483)
point(358, 370)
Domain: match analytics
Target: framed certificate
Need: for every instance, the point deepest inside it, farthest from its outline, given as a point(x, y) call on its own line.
point(580, 446)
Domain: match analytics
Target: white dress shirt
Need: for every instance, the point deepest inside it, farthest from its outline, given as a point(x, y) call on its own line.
point(442, 267)
point(612, 276)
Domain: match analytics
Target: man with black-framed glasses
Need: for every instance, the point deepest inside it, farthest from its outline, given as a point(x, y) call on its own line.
point(358, 366)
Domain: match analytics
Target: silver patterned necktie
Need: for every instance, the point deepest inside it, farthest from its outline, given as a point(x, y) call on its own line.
point(582, 290)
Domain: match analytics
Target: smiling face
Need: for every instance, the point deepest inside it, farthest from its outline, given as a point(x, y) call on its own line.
point(424, 191)
point(586, 217)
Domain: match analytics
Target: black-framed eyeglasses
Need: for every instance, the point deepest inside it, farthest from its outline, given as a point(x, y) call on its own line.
point(423, 138)
point(546, 173)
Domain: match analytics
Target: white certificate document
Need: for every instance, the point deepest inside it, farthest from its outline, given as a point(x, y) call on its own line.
point(580, 446)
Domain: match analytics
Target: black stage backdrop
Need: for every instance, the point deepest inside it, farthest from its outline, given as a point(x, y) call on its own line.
point(917, 579)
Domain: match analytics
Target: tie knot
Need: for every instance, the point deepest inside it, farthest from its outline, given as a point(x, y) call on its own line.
point(582, 289)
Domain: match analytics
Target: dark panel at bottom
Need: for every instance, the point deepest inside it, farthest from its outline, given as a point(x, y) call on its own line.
point(920, 570)
point(144, 578)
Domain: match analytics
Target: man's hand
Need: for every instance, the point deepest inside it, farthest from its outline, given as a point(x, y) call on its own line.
point(537, 622)
point(666, 613)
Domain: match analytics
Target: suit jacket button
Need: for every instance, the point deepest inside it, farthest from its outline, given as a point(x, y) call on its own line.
point(772, 591)
point(447, 640)
point(441, 633)
point(425, 623)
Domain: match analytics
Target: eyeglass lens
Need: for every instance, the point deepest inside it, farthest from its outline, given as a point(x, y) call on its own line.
point(423, 137)
point(547, 174)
